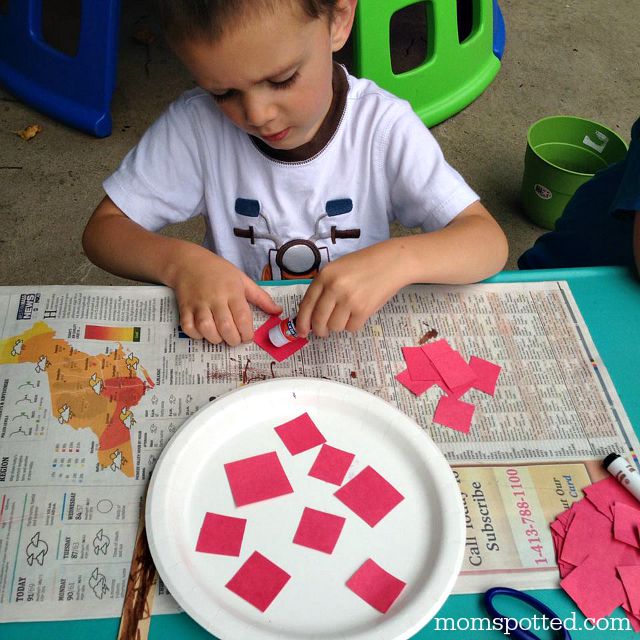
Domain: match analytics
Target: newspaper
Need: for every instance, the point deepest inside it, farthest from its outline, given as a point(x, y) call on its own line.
point(95, 380)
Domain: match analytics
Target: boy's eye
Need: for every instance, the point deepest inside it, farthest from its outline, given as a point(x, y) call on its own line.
point(285, 84)
point(221, 97)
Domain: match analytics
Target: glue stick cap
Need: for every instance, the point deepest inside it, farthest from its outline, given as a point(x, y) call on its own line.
point(283, 333)
point(278, 339)
point(609, 459)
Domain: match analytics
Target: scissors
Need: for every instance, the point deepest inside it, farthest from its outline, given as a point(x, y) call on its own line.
point(511, 626)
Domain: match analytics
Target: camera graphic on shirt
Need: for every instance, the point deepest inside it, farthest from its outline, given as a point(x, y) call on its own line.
point(298, 258)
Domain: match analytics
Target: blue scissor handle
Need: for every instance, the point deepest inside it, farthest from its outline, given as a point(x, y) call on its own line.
point(519, 633)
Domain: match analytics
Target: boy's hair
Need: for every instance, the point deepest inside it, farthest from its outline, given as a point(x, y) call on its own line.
point(183, 20)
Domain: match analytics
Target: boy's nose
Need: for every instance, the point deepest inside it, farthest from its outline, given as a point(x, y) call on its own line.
point(258, 111)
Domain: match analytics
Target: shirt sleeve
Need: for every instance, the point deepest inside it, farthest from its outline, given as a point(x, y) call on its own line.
point(627, 198)
point(160, 181)
point(425, 190)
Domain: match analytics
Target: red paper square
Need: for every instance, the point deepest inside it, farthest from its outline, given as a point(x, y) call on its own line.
point(456, 392)
point(261, 338)
point(221, 535)
point(437, 348)
point(417, 387)
point(454, 413)
point(604, 493)
point(418, 364)
point(319, 530)
point(588, 531)
point(634, 621)
point(626, 523)
point(257, 478)
point(486, 374)
point(300, 434)
point(369, 496)
point(331, 465)
point(258, 581)
point(453, 369)
point(375, 586)
point(630, 577)
point(594, 587)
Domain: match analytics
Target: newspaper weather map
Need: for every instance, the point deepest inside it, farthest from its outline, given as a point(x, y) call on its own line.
point(96, 392)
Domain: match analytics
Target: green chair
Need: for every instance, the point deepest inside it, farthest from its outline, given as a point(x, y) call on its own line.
point(453, 73)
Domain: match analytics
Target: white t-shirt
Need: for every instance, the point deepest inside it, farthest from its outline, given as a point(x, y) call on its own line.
point(275, 219)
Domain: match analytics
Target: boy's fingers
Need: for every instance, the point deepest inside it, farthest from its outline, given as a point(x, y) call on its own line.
point(243, 318)
point(206, 325)
point(258, 296)
point(303, 320)
point(320, 317)
point(187, 325)
point(223, 321)
point(339, 318)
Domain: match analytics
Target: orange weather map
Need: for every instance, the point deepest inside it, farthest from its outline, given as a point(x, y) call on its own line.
point(87, 392)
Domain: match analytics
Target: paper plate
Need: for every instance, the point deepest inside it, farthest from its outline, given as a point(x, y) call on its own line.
point(421, 541)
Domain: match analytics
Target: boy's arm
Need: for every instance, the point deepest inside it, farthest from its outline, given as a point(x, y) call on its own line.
point(348, 291)
point(212, 293)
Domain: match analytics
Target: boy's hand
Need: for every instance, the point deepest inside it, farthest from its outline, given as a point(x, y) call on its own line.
point(348, 291)
point(213, 299)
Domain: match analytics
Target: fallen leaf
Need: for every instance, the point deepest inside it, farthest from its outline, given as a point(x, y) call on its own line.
point(144, 35)
point(30, 132)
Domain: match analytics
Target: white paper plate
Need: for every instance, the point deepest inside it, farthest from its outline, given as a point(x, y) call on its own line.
point(421, 541)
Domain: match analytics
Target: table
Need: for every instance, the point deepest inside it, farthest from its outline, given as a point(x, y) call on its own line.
point(609, 299)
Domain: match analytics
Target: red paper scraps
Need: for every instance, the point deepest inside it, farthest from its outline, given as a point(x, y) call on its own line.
point(257, 478)
point(604, 493)
point(626, 523)
point(633, 620)
point(369, 496)
point(486, 374)
point(319, 530)
point(258, 581)
point(331, 465)
point(221, 535)
point(630, 577)
point(597, 550)
point(438, 363)
point(594, 588)
point(261, 338)
point(585, 536)
point(300, 434)
point(417, 387)
point(375, 586)
point(419, 365)
point(454, 413)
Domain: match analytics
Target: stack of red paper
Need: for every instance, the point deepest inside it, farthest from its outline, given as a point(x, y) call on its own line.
point(437, 363)
point(597, 544)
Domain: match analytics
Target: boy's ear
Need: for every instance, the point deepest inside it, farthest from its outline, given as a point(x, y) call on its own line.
point(343, 16)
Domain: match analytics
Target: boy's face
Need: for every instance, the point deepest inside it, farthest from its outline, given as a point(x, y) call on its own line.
point(271, 76)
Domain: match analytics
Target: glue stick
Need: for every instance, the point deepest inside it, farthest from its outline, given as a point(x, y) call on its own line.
point(624, 473)
point(283, 333)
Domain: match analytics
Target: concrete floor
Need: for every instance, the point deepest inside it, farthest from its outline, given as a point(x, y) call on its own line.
point(576, 57)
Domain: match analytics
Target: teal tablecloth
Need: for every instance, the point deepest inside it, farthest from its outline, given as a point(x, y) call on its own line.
point(609, 299)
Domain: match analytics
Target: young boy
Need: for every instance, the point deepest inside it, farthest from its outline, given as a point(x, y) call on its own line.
point(297, 167)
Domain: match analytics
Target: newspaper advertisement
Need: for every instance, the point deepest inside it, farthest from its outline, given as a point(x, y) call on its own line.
point(95, 380)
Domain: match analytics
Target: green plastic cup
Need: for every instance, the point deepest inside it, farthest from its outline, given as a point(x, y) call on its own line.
point(563, 152)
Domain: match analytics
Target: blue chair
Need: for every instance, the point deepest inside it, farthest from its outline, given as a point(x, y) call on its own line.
point(75, 89)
